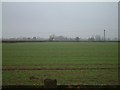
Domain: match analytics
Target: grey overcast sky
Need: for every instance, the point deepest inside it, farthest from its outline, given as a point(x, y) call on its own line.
point(82, 19)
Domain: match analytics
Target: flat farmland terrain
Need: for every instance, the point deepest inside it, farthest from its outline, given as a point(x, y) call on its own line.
point(71, 63)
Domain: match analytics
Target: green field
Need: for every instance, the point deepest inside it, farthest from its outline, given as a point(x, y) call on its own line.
point(85, 63)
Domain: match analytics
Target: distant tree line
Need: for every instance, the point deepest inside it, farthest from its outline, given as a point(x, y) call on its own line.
point(53, 38)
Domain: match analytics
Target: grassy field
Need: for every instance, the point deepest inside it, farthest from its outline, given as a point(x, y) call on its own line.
point(87, 63)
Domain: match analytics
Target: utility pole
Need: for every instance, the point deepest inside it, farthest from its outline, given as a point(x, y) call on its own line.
point(104, 34)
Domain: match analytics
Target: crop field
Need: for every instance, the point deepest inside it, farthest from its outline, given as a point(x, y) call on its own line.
point(70, 63)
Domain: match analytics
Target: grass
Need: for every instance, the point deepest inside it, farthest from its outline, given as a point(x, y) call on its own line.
point(66, 77)
point(60, 55)
point(0, 63)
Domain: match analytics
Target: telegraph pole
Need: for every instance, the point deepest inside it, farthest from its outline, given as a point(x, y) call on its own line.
point(104, 34)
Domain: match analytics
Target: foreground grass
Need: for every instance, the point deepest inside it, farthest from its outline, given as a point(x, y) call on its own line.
point(67, 77)
point(61, 55)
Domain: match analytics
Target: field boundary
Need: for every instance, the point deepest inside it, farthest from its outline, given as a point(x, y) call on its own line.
point(61, 87)
point(8, 69)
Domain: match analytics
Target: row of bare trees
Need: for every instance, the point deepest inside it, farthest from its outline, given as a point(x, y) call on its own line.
point(92, 38)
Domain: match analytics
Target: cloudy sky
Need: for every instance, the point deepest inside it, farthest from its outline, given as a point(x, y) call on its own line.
point(82, 19)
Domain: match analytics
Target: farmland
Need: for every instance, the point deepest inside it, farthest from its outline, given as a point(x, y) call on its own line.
point(84, 63)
